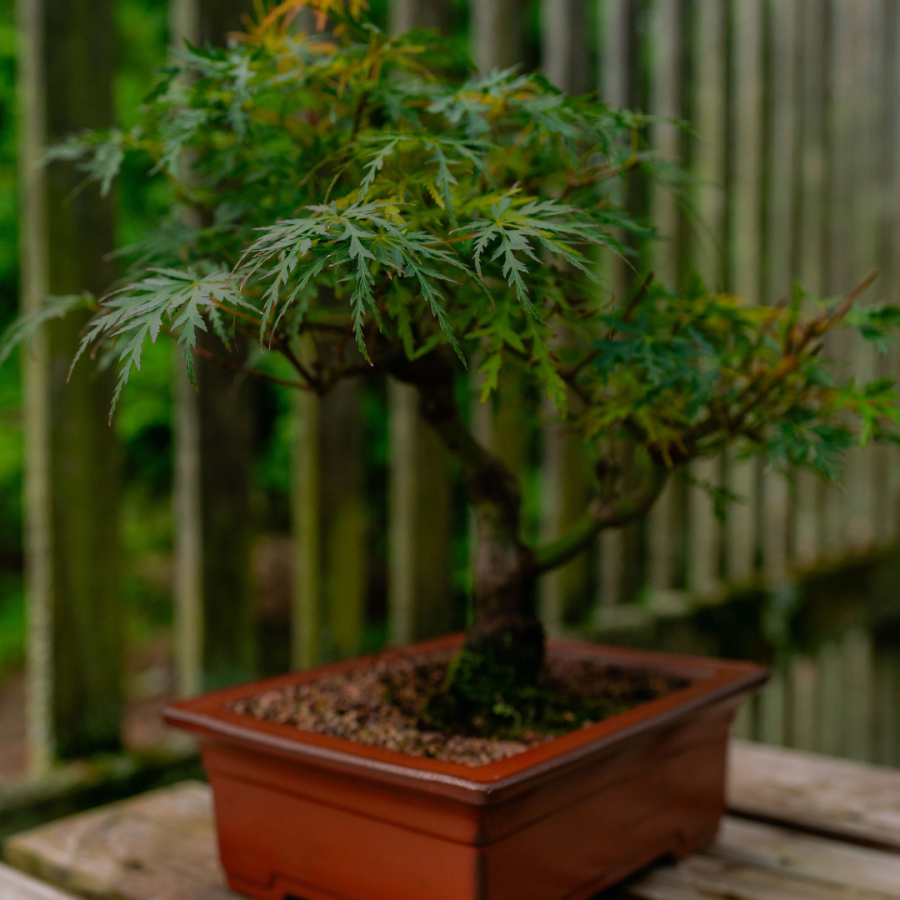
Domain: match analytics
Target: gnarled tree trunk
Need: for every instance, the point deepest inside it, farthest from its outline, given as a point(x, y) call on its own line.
point(505, 627)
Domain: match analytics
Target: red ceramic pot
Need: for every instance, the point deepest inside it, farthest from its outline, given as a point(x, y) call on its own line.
point(311, 817)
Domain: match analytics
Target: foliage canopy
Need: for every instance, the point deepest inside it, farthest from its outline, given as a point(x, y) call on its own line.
point(350, 198)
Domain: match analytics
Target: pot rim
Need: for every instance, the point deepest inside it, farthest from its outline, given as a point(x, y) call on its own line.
point(713, 682)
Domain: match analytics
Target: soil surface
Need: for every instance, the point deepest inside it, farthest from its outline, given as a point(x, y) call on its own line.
point(382, 704)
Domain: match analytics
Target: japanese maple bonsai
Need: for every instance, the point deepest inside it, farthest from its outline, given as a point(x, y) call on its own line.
point(361, 205)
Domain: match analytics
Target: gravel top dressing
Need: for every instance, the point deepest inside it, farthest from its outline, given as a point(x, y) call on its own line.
point(383, 705)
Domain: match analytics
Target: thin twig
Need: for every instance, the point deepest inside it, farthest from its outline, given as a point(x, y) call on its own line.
point(231, 366)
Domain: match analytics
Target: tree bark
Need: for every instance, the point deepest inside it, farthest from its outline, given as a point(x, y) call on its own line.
point(505, 625)
point(72, 543)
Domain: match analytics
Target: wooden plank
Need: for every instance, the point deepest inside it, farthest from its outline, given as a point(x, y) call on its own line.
point(611, 558)
point(71, 475)
point(772, 713)
point(160, 846)
point(753, 861)
point(881, 231)
point(865, 188)
point(187, 584)
point(841, 119)
point(856, 652)
point(845, 799)
point(419, 509)
point(742, 728)
point(890, 262)
point(709, 64)
point(497, 33)
point(746, 264)
point(614, 63)
point(565, 470)
point(565, 51)
point(665, 531)
point(805, 538)
point(405, 15)
point(565, 592)
point(615, 73)
point(35, 383)
point(665, 102)
point(886, 734)
point(211, 590)
point(306, 614)
point(780, 164)
point(419, 578)
point(15, 885)
point(803, 676)
point(329, 527)
point(830, 697)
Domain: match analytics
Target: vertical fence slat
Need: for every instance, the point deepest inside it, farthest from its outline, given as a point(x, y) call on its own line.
point(772, 711)
point(864, 91)
point(887, 216)
point(329, 527)
point(841, 120)
point(498, 33)
point(71, 473)
point(886, 711)
point(419, 540)
point(187, 588)
point(615, 70)
point(419, 601)
point(830, 699)
point(405, 15)
point(666, 35)
point(212, 592)
point(856, 657)
point(565, 57)
point(33, 263)
point(891, 243)
point(188, 569)
point(708, 49)
point(564, 594)
point(779, 237)
point(802, 692)
point(810, 236)
point(746, 150)
point(306, 616)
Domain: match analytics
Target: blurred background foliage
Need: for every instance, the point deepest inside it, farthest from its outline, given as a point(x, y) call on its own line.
point(144, 420)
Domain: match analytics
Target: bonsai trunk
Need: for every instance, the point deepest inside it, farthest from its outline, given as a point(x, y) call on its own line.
point(505, 645)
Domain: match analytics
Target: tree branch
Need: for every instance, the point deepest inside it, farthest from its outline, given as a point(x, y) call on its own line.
point(488, 480)
point(231, 366)
point(603, 513)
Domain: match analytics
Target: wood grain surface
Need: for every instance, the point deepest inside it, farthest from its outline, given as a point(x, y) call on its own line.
point(161, 846)
point(15, 885)
point(755, 861)
point(853, 801)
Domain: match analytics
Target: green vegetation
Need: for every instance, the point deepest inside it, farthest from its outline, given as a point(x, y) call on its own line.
point(363, 205)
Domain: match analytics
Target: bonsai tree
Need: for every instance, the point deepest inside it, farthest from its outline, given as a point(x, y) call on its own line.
point(362, 205)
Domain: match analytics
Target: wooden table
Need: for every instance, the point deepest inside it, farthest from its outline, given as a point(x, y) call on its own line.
point(801, 827)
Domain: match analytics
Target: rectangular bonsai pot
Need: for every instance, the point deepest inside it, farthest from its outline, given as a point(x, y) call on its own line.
point(311, 817)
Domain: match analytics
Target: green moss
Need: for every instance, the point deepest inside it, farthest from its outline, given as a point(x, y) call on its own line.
point(488, 694)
